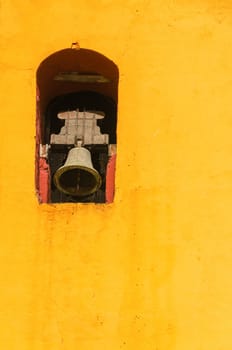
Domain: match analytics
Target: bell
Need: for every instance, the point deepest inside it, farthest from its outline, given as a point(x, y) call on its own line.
point(77, 177)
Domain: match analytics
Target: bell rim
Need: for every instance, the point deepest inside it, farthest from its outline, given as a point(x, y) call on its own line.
point(63, 169)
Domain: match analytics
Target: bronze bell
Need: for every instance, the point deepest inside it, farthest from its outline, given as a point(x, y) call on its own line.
point(78, 177)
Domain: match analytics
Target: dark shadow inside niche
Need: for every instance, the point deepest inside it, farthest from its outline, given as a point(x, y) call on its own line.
point(83, 101)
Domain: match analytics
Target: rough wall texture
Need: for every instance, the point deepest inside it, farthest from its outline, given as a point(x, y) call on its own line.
point(152, 271)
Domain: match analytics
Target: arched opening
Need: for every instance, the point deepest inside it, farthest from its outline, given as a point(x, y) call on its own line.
point(77, 95)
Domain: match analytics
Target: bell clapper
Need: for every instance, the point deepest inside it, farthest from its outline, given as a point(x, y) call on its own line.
point(78, 180)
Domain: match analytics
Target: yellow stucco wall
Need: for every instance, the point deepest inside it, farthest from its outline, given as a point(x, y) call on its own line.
point(152, 271)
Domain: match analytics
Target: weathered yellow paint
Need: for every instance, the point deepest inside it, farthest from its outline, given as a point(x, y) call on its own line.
point(152, 271)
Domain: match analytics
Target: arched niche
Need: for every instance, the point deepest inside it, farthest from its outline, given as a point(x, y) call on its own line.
point(75, 81)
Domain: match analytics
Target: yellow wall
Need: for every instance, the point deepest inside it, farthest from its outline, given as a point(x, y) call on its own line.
point(152, 271)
